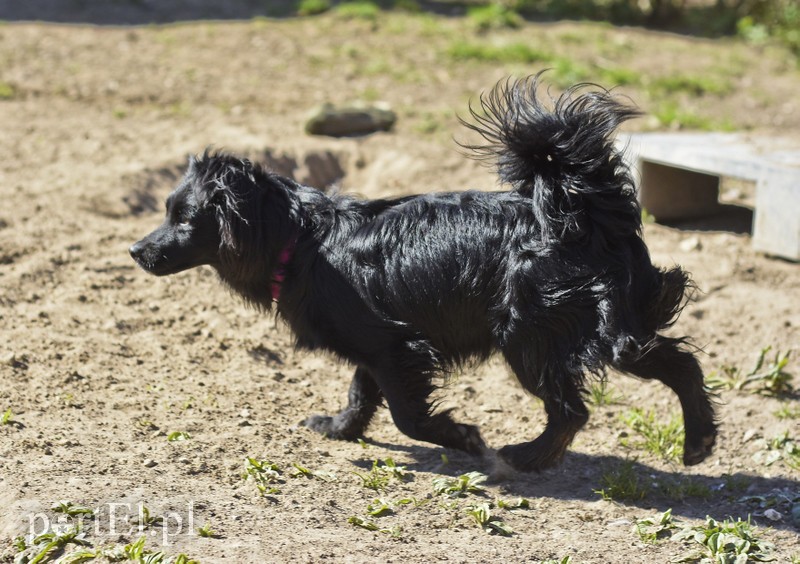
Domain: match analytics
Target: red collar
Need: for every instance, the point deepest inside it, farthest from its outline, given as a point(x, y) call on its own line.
point(280, 272)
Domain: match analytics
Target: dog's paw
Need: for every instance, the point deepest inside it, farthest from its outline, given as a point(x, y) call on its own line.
point(501, 470)
point(322, 424)
point(471, 441)
point(528, 457)
point(695, 452)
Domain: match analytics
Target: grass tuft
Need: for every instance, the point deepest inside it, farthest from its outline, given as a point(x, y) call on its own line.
point(622, 484)
point(664, 440)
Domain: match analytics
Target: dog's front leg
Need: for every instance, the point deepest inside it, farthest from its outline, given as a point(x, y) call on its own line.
point(407, 397)
point(363, 400)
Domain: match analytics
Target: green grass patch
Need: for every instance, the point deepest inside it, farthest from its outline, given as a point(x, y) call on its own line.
point(493, 16)
point(622, 483)
point(264, 474)
point(312, 7)
point(7, 91)
point(358, 10)
point(684, 487)
point(482, 515)
point(511, 53)
point(724, 541)
point(691, 85)
point(766, 377)
point(600, 394)
point(670, 114)
point(654, 529)
point(788, 411)
point(381, 474)
point(663, 439)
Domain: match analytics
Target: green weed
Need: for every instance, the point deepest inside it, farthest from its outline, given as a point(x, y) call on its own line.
point(5, 419)
point(664, 440)
point(619, 77)
point(7, 91)
point(490, 523)
point(45, 547)
point(788, 412)
point(780, 448)
point(622, 484)
point(67, 508)
point(358, 10)
point(381, 473)
point(767, 378)
point(205, 531)
point(736, 482)
point(178, 436)
point(510, 53)
point(148, 520)
point(692, 85)
point(726, 541)
point(684, 487)
point(313, 7)
point(369, 525)
point(137, 552)
point(566, 560)
point(493, 16)
point(567, 72)
point(471, 482)
point(519, 503)
point(264, 474)
point(379, 507)
point(647, 217)
point(600, 394)
point(653, 529)
point(302, 471)
point(670, 114)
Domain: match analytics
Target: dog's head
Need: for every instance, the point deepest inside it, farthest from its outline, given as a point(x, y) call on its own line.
point(217, 213)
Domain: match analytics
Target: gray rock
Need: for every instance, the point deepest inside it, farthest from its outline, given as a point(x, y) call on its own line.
point(350, 121)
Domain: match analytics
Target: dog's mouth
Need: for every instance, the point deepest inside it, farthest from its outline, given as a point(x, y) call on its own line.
point(154, 261)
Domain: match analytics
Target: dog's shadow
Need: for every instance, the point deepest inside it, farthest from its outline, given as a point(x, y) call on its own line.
point(581, 477)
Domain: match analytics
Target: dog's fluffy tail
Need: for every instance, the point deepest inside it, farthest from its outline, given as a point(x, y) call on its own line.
point(562, 157)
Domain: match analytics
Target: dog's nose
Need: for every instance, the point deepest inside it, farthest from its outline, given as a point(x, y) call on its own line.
point(136, 250)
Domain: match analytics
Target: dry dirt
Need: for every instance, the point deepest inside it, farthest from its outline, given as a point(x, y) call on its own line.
point(100, 363)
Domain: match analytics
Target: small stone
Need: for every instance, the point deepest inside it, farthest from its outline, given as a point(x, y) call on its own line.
point(690, 244)
point(245, 413)
point(748, 435)
point(619, 523)
point(149, 463)
point(773, 515)
point(350, 121)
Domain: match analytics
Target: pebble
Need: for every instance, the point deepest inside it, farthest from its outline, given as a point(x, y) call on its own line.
point(690, 244)
point(350, 121)
point(773, 515)
point(149, 463)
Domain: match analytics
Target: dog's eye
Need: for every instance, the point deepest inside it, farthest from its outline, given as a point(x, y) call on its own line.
point(183, 217)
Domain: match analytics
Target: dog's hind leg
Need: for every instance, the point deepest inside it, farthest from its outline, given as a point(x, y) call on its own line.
point(363, 400)
point(566, 415)
point(666, 361)
point(407, 396)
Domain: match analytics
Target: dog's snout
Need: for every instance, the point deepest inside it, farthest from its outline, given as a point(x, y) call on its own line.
point(136, 250)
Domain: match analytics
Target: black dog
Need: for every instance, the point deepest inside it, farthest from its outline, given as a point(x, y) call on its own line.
point(553, 274)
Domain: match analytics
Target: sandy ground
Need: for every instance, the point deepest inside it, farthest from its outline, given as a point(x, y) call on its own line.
point(100, 363)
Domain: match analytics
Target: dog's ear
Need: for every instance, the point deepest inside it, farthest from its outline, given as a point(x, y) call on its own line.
point(215, 182)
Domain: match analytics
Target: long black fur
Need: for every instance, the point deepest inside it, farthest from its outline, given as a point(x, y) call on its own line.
point(553, 273)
